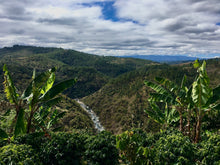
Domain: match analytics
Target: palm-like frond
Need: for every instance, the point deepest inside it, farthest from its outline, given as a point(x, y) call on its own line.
point(10, 89)
point(3, 134)
point(156, 114)
point(156, 87)
point(56, 89)
point(201, 92)
point(20, 127)
point(44, 80)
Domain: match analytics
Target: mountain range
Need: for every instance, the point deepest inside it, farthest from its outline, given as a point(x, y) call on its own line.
point(163, 58)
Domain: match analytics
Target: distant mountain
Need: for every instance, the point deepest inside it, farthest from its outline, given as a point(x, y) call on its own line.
point(163, 58)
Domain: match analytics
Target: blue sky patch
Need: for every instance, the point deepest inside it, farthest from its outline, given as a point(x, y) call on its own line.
point(108, 9)
point(218, 23)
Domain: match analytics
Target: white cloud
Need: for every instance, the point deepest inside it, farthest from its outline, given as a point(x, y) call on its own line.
point(144, 26)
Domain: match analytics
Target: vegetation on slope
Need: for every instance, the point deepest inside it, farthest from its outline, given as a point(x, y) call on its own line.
point(92, 71)
point(121, 102)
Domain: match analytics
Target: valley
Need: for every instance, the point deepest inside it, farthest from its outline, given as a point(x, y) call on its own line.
point(112, 87)
point(79, 108)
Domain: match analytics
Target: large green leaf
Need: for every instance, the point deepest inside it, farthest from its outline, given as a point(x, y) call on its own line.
point(3, 134)
point(171, 115)
point(20, 127)
point(157, 97)
point(216, 95)
point(196, 63)
point(55, 116)
point(56, 89)
point(201, 92)
point(157, 88)
point(171, 86)
point(48, 84)
point(38, 82)
point(53, 101)
point(156, 114)
point(10, 89)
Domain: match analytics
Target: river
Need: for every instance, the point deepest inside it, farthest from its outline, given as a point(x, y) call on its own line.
point(93, 116)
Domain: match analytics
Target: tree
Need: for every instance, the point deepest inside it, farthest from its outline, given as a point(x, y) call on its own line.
point(38, 94)
point(172, 97)
point(204, 98)
point(199, 97)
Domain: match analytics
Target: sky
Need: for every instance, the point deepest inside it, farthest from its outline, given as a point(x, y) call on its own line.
point(119, 27)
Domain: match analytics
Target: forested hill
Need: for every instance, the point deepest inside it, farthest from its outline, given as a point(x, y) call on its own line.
point(92, 71)
point(120, 104)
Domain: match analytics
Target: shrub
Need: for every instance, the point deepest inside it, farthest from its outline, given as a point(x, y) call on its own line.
point(100, 149)
point(18, 155)
point(35, 140)
point(209, 150)
point(64, 148)
point(174, 149)
point(132, 147)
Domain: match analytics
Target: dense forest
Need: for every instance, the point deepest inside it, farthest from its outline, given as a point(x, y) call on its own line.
point(145, 107)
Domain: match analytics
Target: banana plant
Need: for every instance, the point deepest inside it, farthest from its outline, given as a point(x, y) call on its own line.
point(165, 116)
point(204, 97)
point(200, 97)
point(46, 118)
point(173, 97)
point(40, 92)
point(15, 99)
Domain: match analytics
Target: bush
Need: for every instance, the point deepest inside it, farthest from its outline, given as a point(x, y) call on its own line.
point(132, 147)
point(174, 149)
point(36, 140)
point(64, 149)
point(18, 155)
point(209, 150)
point(100, 149)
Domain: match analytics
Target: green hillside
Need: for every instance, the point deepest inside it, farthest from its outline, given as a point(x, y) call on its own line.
point(91, 71)
point(120, 104)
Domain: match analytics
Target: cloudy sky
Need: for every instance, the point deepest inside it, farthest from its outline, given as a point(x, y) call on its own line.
point(119, 27)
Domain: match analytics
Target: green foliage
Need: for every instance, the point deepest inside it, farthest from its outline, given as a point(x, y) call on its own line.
point(46, 118)
point(10, 89)
point(64, 149)
point(131, 146)
point(100, 149)
point(174, 149)
point(166, 116)
point(20, 126)
point(35, 140)
point(209, 150)
point(3, 134)
point(198, 98)
point(134, 147)
point(39, 92)
point(18, 155)
point(201, 92)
